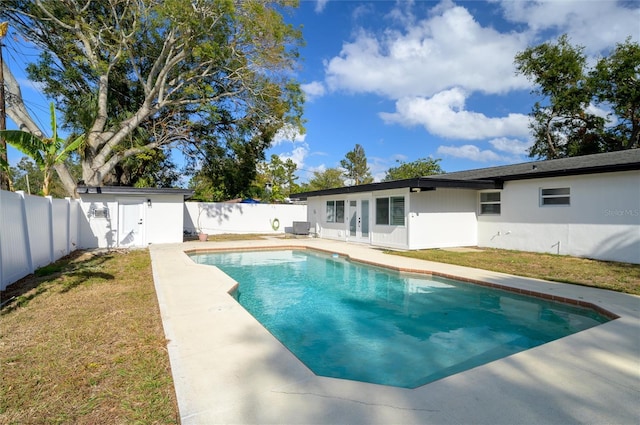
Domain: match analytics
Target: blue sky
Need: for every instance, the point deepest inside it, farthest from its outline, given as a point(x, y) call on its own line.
point(418, 79)
point(409, 80)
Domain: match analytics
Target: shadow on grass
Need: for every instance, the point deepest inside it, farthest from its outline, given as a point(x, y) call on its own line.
point(77, 268)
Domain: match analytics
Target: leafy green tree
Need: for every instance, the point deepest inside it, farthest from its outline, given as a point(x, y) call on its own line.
point(227, 168)
point(615, 81)
point(355, 166)
point(327, 179)
point(152, 168)
point(47, 153)
point(276, 179)
point(562, 124)
point(27, 176)
point(172, 65)
point(418, 168)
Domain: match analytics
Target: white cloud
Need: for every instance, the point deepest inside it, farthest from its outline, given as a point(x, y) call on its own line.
point(288, 133)
point(320, 5)
point(450, 49)
point(297, 155)
point(509, 151)
point(313, 90)
point(597, 25)
point(444, 115)
point(471, 152)
point(511, 146)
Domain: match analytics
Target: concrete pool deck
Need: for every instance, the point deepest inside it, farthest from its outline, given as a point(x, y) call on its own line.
point(228, 369)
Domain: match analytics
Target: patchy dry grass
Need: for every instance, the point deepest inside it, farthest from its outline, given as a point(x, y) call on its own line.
point(620, 277)
point(81, 341)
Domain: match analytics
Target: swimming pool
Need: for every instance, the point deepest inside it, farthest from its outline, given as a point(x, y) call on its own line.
point(351, 321)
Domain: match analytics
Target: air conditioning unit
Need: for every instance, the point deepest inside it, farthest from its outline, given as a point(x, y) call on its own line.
point(301, 227)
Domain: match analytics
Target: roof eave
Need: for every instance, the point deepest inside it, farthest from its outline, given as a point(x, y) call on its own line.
point(128, 190)
point(414, 185)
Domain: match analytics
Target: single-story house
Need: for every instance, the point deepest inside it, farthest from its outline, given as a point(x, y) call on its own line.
point(586, 206)
point(124, 217)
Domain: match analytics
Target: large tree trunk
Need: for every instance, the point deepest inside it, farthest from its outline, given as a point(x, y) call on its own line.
point(21, 117)
point(15, 105)
point(67, 179)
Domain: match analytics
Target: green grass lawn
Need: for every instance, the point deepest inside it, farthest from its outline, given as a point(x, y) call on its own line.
point(622, 277)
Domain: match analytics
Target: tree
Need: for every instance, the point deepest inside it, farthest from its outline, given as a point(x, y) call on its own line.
point(152, 168)
point(327, 179)
point(46, 152)
point(355, 166)
point(417, 168)
point(276, 179)
point(615, 81)
point(224, 64)
point(27, 176)
point(226, 169)
point(564, 125)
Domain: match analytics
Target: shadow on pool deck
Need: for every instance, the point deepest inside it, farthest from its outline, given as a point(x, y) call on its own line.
point(228, 369)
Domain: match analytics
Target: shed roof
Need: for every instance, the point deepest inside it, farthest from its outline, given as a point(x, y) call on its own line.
point(493, 177)
point(135, 191)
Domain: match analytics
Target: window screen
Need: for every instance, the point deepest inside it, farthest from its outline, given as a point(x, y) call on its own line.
point(555, 196)
point(490, 203)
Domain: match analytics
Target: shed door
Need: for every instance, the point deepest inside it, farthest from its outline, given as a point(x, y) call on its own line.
point(131, 223)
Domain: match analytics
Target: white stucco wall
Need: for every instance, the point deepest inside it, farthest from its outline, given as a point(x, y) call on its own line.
point(602, 222)
point(443, 218)
point(224, 217)
point(98, 232)
point(164, 219)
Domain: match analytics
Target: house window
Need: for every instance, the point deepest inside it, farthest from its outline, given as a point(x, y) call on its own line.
point(382, 211)
point(490, 203)
point(335, 211)
point(390, 211)
point(555, 196)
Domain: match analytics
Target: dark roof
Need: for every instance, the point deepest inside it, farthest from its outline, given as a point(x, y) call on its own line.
point(493, 177)
point(587, 164)
point(127, 190)
point(417, 184)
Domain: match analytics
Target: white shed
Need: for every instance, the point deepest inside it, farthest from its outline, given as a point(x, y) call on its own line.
point(121, 217)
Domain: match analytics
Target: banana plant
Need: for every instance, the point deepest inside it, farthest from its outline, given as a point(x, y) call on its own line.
point(45, 151)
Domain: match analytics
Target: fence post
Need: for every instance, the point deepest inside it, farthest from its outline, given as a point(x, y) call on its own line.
point(68, 225)
point(25, 230)
point(50, 224)
point(1, 265)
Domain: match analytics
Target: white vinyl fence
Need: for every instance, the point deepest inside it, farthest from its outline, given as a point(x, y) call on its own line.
point(34, 231)
point(221, 217)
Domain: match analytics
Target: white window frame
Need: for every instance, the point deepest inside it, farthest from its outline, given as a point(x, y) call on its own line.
point(393, 217)
point(490, 202)
point(555, 193)
point(334, 213)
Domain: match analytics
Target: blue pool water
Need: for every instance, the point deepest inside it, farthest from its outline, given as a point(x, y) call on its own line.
point(347, 320)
